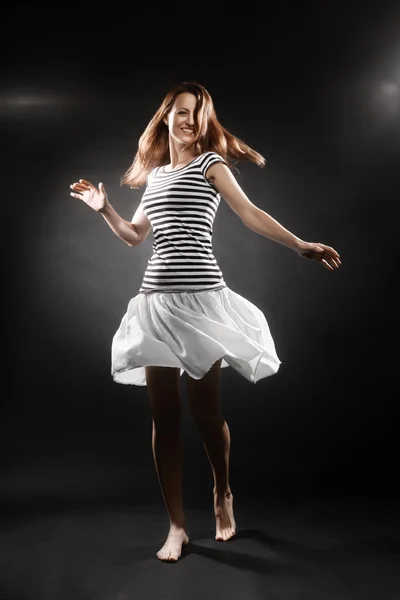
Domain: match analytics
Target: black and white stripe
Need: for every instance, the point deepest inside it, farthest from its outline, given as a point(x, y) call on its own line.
point(181, 206)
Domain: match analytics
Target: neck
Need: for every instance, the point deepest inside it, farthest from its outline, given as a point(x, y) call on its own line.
point(179, 156)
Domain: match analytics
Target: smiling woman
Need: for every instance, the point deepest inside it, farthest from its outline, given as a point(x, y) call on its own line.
point(187, 118)
point(185, 318)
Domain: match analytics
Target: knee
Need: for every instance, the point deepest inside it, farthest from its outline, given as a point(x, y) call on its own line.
point(205, 416)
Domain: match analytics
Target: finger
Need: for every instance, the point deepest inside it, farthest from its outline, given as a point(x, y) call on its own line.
point(334, 262)
point(327, 265)
point(85, 182)
point(78, 186)
point(332, 251)
point(331, 261)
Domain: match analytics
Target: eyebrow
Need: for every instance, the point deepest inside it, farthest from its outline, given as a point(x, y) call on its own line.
point(181, 108)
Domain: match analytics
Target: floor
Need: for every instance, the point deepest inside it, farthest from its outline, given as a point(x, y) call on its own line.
point(311, 551)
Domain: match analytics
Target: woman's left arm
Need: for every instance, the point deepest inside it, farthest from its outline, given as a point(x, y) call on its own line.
point(222, 179)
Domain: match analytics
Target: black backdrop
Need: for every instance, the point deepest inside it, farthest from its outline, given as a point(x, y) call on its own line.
point(317, 93)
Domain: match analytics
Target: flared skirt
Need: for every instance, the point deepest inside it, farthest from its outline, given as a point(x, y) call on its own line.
point(191, 331)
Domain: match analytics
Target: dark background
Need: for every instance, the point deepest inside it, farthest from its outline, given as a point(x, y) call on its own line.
point(316, 90)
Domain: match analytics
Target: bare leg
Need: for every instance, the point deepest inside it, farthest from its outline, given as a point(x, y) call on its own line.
point(203, 398)
point(163, 388)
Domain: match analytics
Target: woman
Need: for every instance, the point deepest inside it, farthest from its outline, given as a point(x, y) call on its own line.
point(185, 317)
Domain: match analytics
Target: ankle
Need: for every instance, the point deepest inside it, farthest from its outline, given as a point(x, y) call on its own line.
point(224, 494)
point(178, 524)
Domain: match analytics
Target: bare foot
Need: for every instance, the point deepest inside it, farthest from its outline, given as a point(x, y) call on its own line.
point(225, 521)
point(172, 548)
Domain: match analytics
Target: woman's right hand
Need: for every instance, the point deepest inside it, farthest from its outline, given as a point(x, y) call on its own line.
point(94, 197)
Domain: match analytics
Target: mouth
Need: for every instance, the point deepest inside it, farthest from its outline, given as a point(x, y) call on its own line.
point(187, 131)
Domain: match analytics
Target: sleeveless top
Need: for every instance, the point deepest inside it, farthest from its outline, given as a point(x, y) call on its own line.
point(181, 206)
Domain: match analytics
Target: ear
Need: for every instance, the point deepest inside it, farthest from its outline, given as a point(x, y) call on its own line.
point(165, 119)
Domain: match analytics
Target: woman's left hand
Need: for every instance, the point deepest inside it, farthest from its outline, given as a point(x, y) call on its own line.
point(327, 256)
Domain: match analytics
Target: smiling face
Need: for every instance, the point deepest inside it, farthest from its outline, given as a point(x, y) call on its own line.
point(180, 119)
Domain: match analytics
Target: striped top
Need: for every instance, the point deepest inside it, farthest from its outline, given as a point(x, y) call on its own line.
point(181, 206)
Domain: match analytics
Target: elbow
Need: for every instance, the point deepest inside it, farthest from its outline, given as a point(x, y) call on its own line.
point(251, 219)
point(132, 244)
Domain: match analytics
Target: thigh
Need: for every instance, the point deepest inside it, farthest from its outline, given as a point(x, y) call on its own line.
point(203, 393)
point(163, 388)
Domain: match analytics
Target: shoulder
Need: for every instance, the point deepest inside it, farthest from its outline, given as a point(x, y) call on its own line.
point(209, 158)
point(151, 174)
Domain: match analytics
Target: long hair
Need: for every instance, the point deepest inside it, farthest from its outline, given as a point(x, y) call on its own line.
point(209, 135)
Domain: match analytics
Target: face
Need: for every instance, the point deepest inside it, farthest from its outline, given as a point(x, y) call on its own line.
point(180, 119)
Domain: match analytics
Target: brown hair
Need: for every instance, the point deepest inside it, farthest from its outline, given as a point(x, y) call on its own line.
point(209, 135)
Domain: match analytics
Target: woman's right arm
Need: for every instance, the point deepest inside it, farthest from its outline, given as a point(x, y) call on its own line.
point(132, 233)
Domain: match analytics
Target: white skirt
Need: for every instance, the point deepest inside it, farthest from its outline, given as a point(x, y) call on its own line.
point(191, 331)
